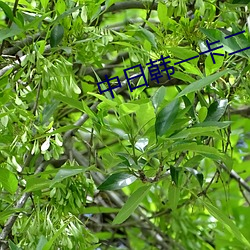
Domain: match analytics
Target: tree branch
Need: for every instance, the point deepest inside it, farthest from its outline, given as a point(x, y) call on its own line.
point(236, 177)
point(21, 44)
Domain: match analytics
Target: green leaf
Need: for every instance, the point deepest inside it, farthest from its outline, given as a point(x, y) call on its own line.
point(202, 114)
point(8, 180)
point(216, 110)
point(211, 67)
point(117, 181)
point(35, 184)
point(49, 110)
point(230, 45)
point(132, 203)
point(70, 101)
point(198, 175)
point(68, 12)
point(197, 85)
point(13, 31)
point(145, 34)
point(56, 35)
point(49, 244)
point(204, 150)
point(158, 97)
point(194, 161)
point(7, 10)
point(66, 172)
point(227, 223)
point(174, 172)
point(13, 246)
point(193, 132)
point(104, 99)
point(173, 196)
point(9, 211)
point(44, 3)
point(183, 54)
point(128, 108)
point(166, 117)
point(56, 131)
point(184, 76)
point(219, 125)
point(162, 12)
point(41, 243)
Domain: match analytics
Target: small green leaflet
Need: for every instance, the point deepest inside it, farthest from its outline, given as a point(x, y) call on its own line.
point(132, 203)
point(56, 35)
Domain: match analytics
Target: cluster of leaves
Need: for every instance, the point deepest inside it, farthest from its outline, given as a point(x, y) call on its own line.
point(174, 156)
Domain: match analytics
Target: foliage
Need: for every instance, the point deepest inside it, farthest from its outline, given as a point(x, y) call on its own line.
point(162, 167)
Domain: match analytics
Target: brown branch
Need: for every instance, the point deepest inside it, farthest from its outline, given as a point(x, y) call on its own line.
point(243, 111)
point(21, 44)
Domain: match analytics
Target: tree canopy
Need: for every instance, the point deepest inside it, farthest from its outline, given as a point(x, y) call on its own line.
point(124, 124)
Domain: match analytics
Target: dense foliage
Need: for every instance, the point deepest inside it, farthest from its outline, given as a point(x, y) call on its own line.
point(165, 166)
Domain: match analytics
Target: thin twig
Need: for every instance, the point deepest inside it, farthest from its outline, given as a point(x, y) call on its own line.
point(148, 14)
point(37, 97)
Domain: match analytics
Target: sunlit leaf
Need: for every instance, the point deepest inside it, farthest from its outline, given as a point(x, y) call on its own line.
point(216, 110)
point(8, 180)
point(158, 97)
point(117, 181)
point(7, 10)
